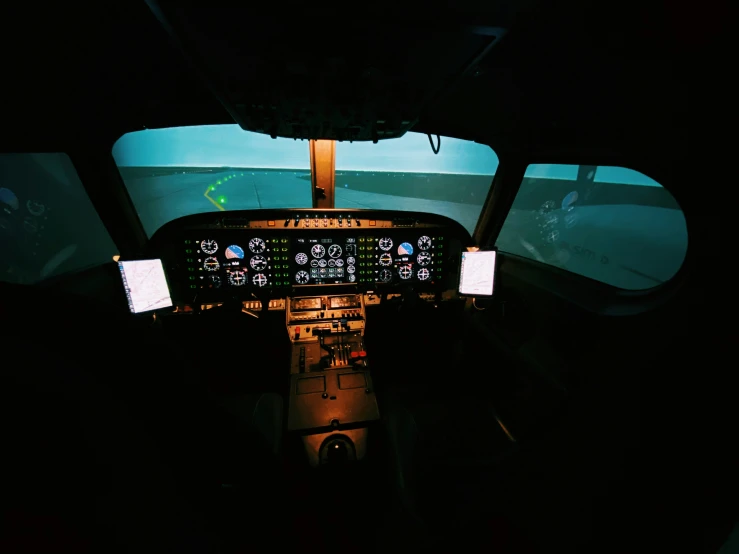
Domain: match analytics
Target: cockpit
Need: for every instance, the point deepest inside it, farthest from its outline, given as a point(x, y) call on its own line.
point(414, 282)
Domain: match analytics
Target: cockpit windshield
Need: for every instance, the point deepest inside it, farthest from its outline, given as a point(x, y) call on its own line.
point(180, 171)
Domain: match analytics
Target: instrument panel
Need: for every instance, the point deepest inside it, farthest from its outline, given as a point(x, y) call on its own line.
point(218, 260)
point(263, 256)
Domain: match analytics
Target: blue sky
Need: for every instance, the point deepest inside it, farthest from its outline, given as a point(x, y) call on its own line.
point(229, 145)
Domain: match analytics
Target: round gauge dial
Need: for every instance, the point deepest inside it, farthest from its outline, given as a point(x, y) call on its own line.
point(301, 258)
point(260, 279)
point(423, 274)
point(314, 263)
point(34, 208)
point(318, 251)
point(339, 263)
point(386, 275)
point(257, 245)
point(334, 250)
point(350, 260)
point(424, 258)
point(331, 262)
point(322, 263)
point(258, 263)
point(386, 243)
point(352, 278)
point(237, 278)
point(405, 271)
point(424, 243)
point(211, 264)
point(350, 269)
point(302, 277)
point(386, 259)
point(214, 281)
point(209, 246)
point(405, 249)
point(234, 251)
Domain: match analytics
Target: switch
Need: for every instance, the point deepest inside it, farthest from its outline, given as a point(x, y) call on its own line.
point(296, 222)
point(287, 222)
point(362, 354)
point(343, 322)
point(297, 332)
point(358, 222)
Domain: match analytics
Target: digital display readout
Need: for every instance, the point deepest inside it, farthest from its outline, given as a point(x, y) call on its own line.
point(300, 304)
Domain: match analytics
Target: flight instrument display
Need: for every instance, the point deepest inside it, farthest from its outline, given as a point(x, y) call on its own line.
point(247, 262)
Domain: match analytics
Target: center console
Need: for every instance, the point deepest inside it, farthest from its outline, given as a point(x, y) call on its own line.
point(322, 268)
point(331, 394)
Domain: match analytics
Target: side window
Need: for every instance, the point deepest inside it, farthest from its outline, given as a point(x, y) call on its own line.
point(611, 224)
point(48, 225)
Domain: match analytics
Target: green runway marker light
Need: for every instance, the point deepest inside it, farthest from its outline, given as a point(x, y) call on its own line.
point(218, 182)
point(211, 188)
point(222, 200)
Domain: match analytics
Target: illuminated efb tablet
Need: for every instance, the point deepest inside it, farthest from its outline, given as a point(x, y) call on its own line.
point(477, 273)
point(145, 285)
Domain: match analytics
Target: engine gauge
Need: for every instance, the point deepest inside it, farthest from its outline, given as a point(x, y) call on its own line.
point(209, 246)
point(350, 260)
point(350, 269)
point(301, 258)
point(331, 262)
point(211, 264)
point(257, 245)
point(302, 277)
point(334, 250)
point(386, 243)
point(314, 263)
point(340, 263)
point(258, 263)
point(318, 251)
point(237, 278)
point(322, 263)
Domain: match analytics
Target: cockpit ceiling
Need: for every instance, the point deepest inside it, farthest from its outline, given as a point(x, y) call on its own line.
point(516, 76)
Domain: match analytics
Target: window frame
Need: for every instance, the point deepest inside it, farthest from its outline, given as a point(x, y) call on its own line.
point(589, 294)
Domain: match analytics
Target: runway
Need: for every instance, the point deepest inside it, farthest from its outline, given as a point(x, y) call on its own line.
point(163, 194)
